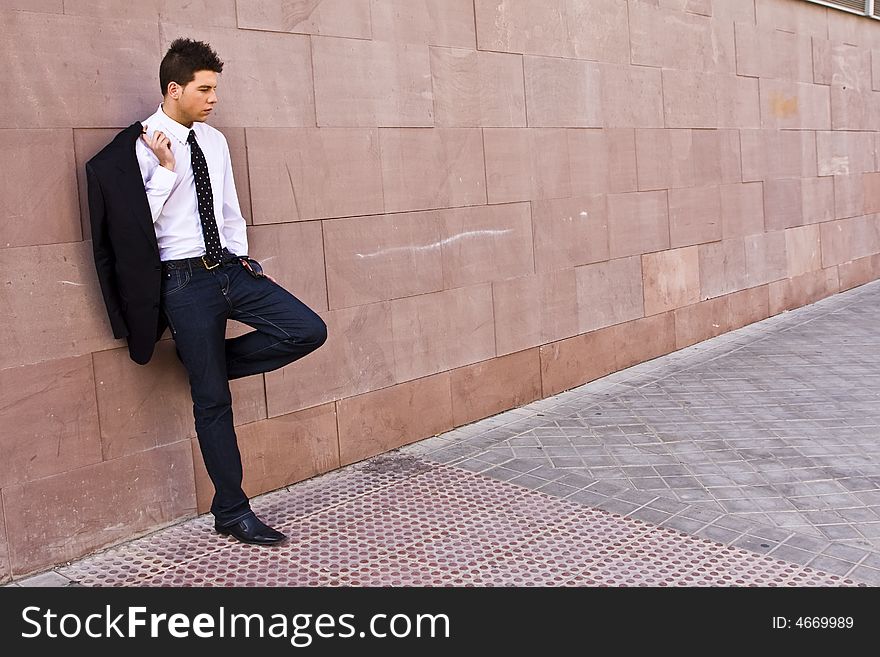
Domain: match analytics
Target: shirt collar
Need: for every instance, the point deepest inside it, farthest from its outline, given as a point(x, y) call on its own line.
point(179, 131)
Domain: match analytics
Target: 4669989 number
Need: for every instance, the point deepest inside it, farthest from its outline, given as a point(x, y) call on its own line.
point(824, 622)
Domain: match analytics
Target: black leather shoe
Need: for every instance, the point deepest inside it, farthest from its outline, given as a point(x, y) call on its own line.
point(252, 530)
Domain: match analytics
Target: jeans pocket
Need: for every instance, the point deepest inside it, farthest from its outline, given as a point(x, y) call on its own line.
point(174, 280)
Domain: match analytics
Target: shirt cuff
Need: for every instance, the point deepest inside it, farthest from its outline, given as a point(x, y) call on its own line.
point(163, 179)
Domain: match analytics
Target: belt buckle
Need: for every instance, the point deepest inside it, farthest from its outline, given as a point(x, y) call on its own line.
point(207, 266)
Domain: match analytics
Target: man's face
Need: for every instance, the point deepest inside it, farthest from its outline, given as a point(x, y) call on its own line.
point(198, 98)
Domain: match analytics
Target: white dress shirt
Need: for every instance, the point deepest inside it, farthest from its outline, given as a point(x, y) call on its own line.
point(172, 194)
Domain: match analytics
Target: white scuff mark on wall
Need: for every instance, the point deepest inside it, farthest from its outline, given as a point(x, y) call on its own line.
point(839, 165)
point(435, 245)
point(72, 283)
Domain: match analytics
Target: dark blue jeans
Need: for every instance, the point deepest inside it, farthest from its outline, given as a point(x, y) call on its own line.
point(197, 303)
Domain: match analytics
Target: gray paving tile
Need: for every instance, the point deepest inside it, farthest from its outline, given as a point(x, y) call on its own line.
point(792, 554)
point(808, 543)
point(719, 534)
point(683, 524)
point(831, 565)
point(754, 544)
point(867, 575)
point(47, 579)
point(587, 498)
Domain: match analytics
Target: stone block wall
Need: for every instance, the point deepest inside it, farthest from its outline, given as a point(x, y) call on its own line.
point(488, 201)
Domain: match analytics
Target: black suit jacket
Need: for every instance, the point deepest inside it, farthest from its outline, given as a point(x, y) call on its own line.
point(124, 242)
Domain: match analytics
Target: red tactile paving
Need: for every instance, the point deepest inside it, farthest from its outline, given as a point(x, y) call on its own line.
point(437, 527)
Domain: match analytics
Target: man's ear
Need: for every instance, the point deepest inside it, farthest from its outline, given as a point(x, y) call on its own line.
point(174, 90)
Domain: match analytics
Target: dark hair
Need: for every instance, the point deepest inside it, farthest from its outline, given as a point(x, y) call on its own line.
point(183, 59)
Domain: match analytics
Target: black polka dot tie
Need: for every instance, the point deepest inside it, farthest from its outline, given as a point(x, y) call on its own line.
point(213, 249)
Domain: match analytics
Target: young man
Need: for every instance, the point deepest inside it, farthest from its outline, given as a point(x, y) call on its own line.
point(171, 248)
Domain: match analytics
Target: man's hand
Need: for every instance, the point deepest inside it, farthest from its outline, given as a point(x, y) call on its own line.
point(161, 147)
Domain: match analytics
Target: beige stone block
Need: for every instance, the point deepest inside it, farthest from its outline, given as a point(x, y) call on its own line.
point(476, 89)
point(220, 13)
point(665, 158)
point(690, 99)
point(694, 215)
point(113, 59)
point(631, 96)
point(114, 500)
point(783, 203)
point(486, 243)
point(597, 30)
point(278, 452)
point(238, 153)
point(841, 153)
point(314, 173)
point(358, 356)
point(39, 192)
point(293, 254)
point(144, 407)
point(341, 18)
point(791, 293)
point(851, 109)
point(818, 199)
point(574, 361)
point(671, 279)
point(821, 60)
point(384, 419)
point(52, 304)
point(371, 83)
point(858, 272)
point(534, 310)
point(737, 100)
point(602, 161)
point(871, 184)
point(266, 80)
point(849, 196)
point(383, 257)
point(562, 93)
point(749, 306)
point(722, 267)
point(443, 330)
point(875, 70)
point(763, 53)
point(795, 105)
point(637, 223)
point(701, 321)
point(666, 38)
point(766, 258)
point(643, 339)
point(792, 17)
point(86, 144)
point(50, 416)
point(527, 163)
point(42, 6)
point(426, 169)
point(570, 232)
point(769, 154)
point(5, 568)
point(742, 209)
point(435, 22)
point(609, 293)
point(852, 29)
point(716, 157)
point(495, 385)
point(803, 248)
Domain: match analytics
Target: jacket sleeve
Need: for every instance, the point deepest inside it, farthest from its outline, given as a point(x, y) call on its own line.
point(105, 259)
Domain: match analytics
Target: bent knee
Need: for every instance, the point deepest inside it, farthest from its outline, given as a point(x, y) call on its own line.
point(318, 334)
point(314, 336)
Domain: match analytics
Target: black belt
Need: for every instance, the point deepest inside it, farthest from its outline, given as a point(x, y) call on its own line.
point(200, 261)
